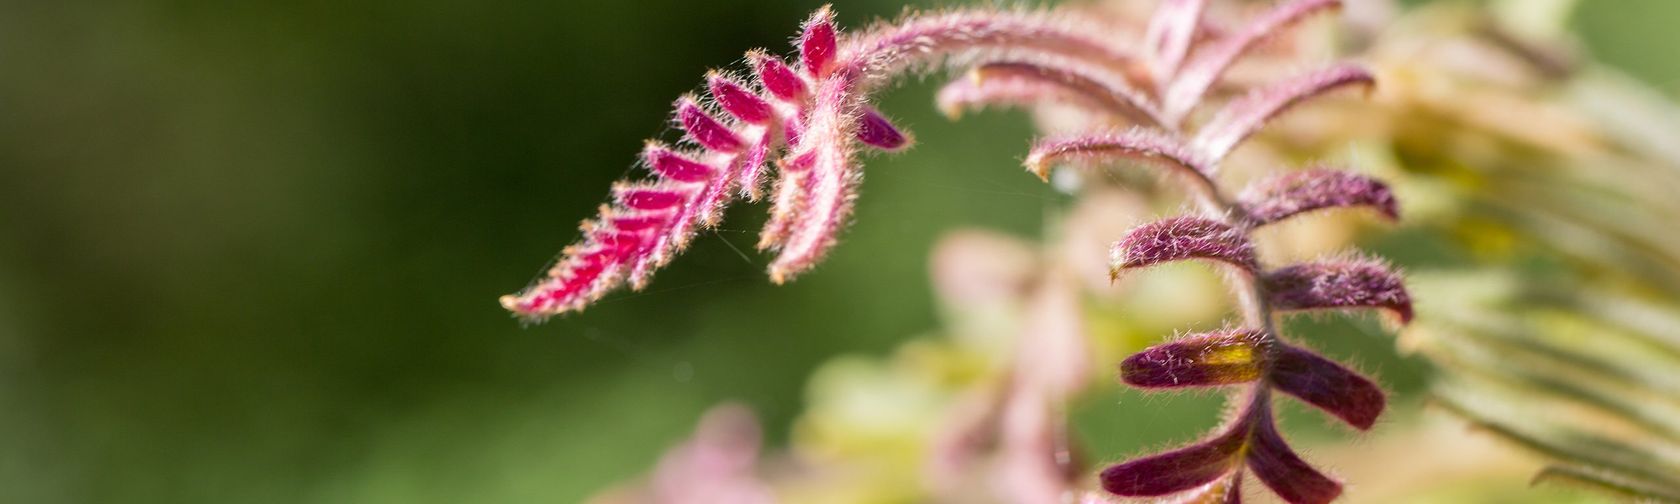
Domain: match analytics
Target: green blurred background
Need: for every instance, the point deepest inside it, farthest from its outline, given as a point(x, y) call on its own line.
point(249, 251)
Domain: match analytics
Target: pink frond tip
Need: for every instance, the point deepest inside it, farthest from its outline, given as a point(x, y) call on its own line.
point(648, 197)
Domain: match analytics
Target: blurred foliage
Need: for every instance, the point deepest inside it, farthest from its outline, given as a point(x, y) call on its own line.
point(249, 251)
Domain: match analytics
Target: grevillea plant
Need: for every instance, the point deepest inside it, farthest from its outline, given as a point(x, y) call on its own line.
point(809, 118)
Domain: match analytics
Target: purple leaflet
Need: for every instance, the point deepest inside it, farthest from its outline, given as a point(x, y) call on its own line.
point(1182, 238)
point(1136, 145)
point(1323, 383)
point(1276, 464)
point(1340, 284)
point(1292, 193)
point(1181, 469)
point(1219, 358)
point(875, 130)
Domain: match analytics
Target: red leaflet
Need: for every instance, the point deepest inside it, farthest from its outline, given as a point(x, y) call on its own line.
point(641, 222)
point(675, 167)
point(617, 243)
point(743, 104)
point(704, 129)
point(776, 77)
point(751, 166)
point(818, 44)
point(648, 197)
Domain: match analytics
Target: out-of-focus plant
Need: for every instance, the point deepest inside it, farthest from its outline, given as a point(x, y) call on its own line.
point(1559, 330)
point(1551, 319)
